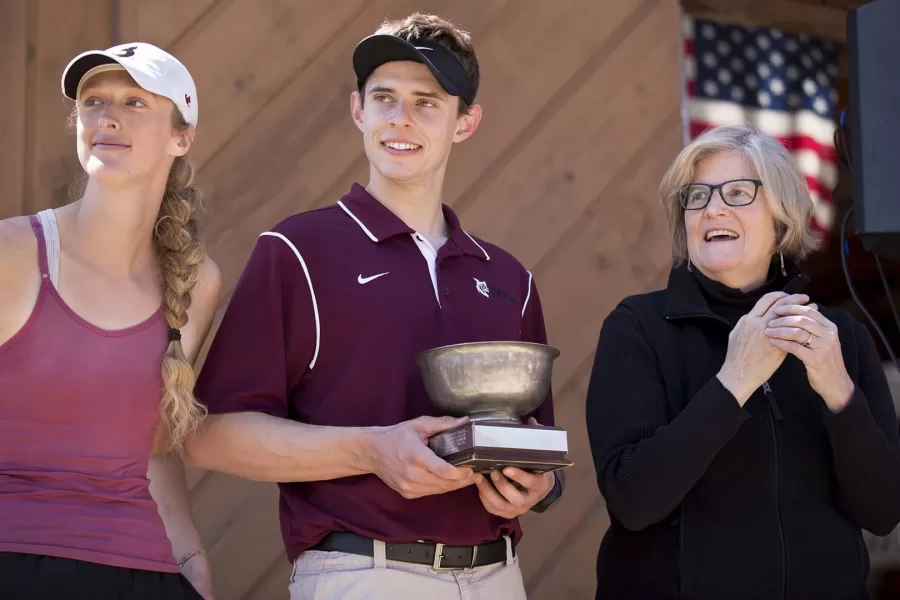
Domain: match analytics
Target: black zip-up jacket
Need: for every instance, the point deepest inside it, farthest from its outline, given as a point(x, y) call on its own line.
point(711, 500)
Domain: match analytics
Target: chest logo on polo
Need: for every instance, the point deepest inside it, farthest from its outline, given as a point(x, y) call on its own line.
point(491, 292)
point(482, 288)
point(364, 280)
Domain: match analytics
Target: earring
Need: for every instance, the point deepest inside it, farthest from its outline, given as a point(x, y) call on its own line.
point(689, 266)
point(783, 271)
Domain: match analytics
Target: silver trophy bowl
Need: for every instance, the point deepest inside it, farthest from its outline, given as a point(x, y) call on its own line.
point(488, 381)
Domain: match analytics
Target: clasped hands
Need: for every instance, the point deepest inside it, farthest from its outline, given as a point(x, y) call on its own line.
point(402, 459)
point(781, 324)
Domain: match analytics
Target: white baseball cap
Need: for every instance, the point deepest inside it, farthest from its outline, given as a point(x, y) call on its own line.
point(152, 68)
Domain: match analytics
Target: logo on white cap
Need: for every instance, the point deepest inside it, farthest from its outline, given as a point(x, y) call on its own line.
point(151, 67)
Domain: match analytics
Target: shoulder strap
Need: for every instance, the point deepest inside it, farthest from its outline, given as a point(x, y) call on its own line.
point(42, 245)
point(51, 238)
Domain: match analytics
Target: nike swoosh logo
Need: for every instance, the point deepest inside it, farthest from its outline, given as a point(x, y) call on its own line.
point(364, 280)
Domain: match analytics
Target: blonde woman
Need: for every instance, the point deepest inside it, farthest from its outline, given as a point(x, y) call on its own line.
point(742, 435)
point(104, 304)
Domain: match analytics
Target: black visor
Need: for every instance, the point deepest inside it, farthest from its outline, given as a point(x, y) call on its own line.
point(376, 50)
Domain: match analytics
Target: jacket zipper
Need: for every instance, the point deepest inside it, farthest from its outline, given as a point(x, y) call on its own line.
point(774, 413)
point(773, 403)
point(771, 412)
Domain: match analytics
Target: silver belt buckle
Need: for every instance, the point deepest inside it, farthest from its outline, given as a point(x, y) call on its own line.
point(438, 558)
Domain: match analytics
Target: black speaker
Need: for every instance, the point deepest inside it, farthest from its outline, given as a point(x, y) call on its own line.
point(873, 55)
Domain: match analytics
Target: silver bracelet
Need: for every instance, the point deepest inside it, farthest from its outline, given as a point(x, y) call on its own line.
point(189, 556)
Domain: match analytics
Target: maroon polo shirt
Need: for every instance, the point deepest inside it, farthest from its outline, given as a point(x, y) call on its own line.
point(323, 328)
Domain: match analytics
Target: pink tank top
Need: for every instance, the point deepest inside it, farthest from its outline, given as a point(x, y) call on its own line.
point(78, 412)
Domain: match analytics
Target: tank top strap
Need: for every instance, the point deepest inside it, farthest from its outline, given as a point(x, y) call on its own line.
point(42, 245)
point(51, 237)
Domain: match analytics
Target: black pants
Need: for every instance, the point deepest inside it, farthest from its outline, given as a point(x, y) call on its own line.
point(35, 577)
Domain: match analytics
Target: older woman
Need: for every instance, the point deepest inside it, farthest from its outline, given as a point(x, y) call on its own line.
point(742, 435)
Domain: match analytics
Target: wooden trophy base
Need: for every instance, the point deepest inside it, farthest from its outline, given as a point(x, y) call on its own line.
point(492, 445)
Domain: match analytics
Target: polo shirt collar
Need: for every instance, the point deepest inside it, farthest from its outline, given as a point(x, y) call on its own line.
point(378, 223)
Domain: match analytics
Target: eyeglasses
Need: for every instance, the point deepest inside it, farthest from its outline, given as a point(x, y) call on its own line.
point(736, 192)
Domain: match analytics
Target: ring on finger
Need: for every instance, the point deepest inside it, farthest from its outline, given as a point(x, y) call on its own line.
point(808, 340)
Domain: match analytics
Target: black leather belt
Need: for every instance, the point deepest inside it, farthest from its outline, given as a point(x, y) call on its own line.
point(438, 556)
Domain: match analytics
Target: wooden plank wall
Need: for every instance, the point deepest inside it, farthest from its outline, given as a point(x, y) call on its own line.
point(582, 116)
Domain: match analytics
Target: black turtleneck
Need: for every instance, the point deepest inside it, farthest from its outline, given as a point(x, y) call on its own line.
point(732, 303)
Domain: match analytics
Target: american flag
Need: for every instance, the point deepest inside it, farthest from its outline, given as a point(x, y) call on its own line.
point(782, 84)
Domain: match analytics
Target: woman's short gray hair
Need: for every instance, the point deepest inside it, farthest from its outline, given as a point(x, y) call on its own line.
point(784, 184)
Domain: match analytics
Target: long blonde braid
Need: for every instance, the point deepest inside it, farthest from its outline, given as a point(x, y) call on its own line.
point(179, 254)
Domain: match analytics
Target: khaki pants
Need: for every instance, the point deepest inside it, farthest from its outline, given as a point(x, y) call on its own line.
point(338, 576)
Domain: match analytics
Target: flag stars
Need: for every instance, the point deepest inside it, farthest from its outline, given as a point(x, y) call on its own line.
point(763, 68)
point(809, 87)
point(777, 86)
point(820, 105)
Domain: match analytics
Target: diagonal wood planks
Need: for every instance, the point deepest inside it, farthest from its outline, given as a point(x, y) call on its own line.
point(14, 57)
point(61, 30)
point(167, 23)
point(574, 163)
point(272, 583)
point(238, 522)
point(248, 53)
point(583, 289)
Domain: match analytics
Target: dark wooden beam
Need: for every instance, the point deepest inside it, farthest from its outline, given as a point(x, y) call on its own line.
point(820, 18)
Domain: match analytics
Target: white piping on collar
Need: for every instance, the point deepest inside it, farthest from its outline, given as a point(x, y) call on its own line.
point(312, 292)
point(375, 239)
point(486, 256)
point(528, 295)
point(358, 222)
